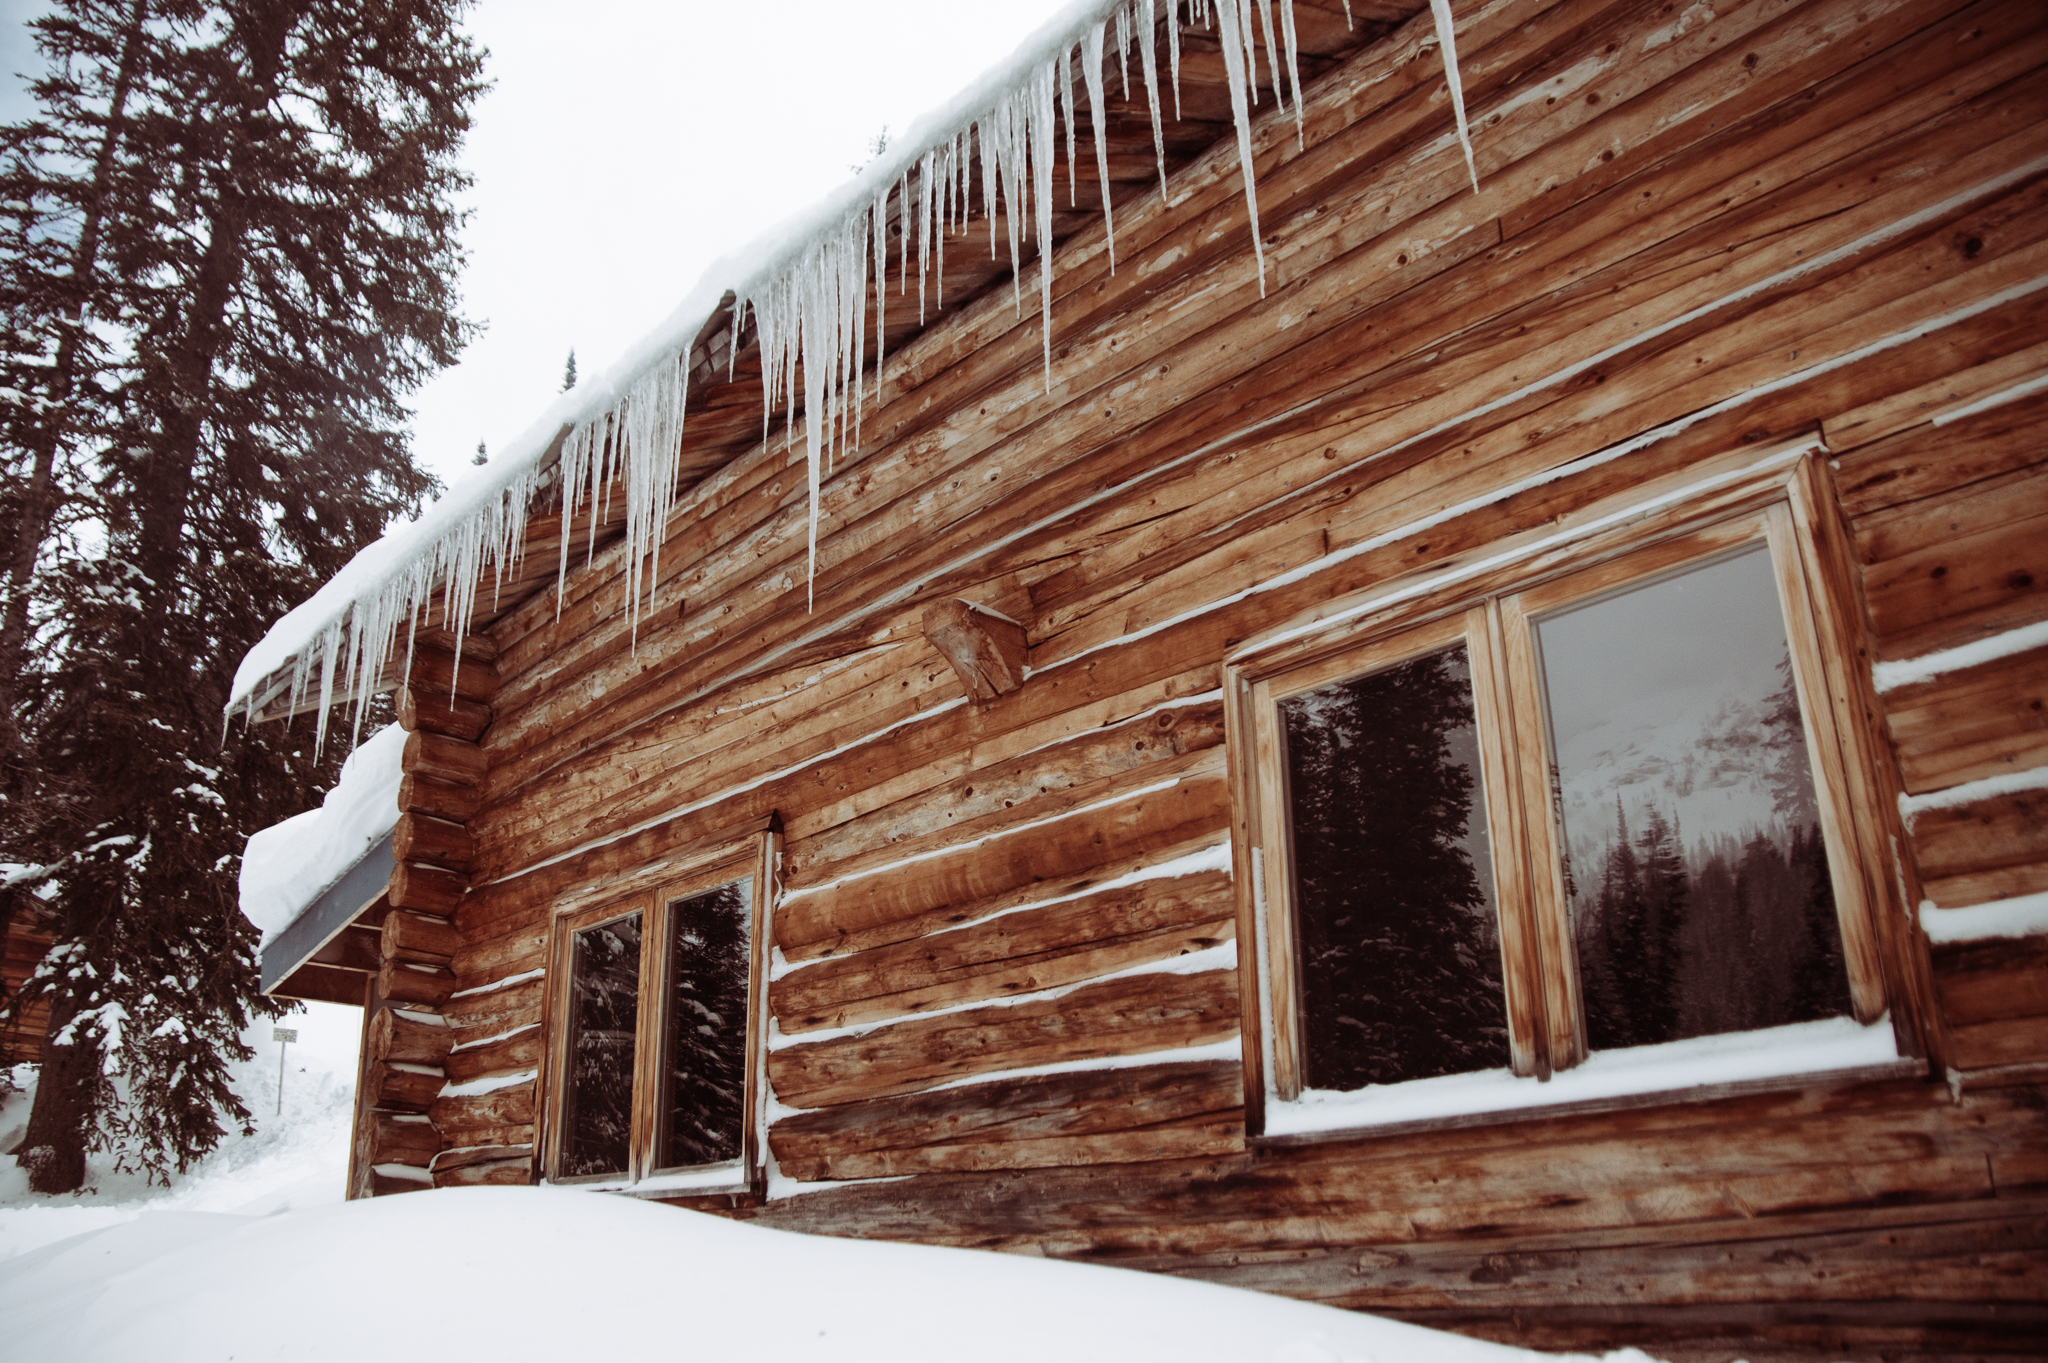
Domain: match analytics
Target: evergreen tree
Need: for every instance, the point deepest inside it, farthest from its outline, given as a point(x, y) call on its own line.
point(1634, 945)
point(252, 267)
point(482, 455)
point(569, 371)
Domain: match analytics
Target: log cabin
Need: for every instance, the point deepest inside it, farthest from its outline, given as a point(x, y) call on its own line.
point(1428, 696)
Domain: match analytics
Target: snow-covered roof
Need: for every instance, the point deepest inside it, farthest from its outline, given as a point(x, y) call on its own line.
point(805, 285)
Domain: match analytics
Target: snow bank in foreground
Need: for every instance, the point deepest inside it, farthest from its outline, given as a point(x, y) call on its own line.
point(544, 1273)
point(289, 865)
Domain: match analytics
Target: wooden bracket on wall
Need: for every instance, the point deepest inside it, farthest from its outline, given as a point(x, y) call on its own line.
point(986, 649)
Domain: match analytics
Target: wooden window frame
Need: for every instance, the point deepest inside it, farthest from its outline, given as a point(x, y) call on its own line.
point(1487, 599)
point(749, 854)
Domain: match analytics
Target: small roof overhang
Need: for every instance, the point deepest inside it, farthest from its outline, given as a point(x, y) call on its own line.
point(329, 952)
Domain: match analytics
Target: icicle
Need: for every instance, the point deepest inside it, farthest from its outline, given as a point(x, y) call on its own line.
point(1173, 50)
point(924, 226)
point(1123, 46)
point(1231, 14)
point(1091, 72)
point(1293, 73)
point(1066, 89)
point(1265, 9)
point(1042, 133)
point(1347, 16)
point(1447, 40)
point(1149, 60)
point(1246, 45)
point(881, 235)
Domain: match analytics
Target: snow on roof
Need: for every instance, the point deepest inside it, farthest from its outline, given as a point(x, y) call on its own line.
point(289, 865)
point(806, 284)
point(519, 1274)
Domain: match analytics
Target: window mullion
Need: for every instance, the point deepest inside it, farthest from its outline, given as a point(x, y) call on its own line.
point(1547, 904)
point(647, 1053)
point(1521, 960)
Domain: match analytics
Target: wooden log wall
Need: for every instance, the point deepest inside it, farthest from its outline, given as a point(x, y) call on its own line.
point(417, 1054)
point(1005, 938)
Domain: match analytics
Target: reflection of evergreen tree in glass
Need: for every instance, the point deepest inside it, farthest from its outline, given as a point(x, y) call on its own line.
point(1400, 974)
point(606, 1008)
point(1630, 967)
point(707, 1029)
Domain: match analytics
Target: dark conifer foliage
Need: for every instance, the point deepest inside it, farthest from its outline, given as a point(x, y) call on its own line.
point(1399, 954)
point(604, 1023)
point(228, 255)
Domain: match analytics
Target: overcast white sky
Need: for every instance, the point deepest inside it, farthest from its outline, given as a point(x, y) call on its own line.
point(630, 143)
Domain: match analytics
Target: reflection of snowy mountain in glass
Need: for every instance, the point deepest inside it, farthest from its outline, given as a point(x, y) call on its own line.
point(1397, 945)
point(1699, 888)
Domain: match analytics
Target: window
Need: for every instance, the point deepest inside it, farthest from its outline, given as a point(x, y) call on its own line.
point(653, 1073)
point(1576, 832)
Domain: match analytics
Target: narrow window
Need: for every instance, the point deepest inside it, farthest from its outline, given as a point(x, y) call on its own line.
point(1397, 937)
point(1694, 868)
point(704, 1076)
point(604, 1022)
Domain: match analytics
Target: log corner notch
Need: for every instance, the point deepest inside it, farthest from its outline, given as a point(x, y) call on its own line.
point(986, 649)
point(444, 712)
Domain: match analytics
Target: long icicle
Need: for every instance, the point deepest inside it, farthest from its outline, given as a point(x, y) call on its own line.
point(1446, 38)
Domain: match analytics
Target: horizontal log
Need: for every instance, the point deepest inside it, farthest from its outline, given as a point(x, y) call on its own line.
point(1953, 1329)
point(390, 1179)
point(444, 759)
point(505, 1173)
point(986, 795)
point(1986, 835)
point(1135, 1113)
point(1927, 463)
point(1981, 887)
point(475, 1016)
point(1016, 953)
point(520, 1134)
point(1970, 587)
point(409, 982)
point(401, 1085)
point(518, 1052)
point(1121, 1017)
point(895, 906)
point(411, 936)
point(1993, 981)
point(400, 1034)
point(424, 795)
point(515, 952)
point(2008, 1041)
point(421, 841)
point(508, 1106)
point(1967, 725)
point(458, 1157)
point(427, 889)
point(400, 1138)
point(426, 709)
point(435, 670)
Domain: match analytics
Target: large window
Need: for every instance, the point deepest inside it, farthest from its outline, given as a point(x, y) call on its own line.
point(1576, 836)
point(652, 1078)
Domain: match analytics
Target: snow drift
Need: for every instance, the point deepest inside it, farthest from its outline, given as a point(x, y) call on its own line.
point(536, 1273)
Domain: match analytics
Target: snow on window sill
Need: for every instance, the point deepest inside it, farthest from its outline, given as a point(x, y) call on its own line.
point(729, 1177)
point(1834, 1050)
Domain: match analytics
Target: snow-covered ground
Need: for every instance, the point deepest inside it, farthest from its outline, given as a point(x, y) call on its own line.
point(254, 1254)
point(298, 1158)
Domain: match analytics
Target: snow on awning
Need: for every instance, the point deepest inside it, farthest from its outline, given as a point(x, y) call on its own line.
point(806, 286)
point(307, 878)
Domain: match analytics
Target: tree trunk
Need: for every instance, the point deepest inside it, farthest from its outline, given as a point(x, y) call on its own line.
point(53, 1148)
point(39, 502)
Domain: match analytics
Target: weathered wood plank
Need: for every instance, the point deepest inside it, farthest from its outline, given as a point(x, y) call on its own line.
point(1127, 1016)
point(1993, 981)
point(868, 911)
point(1967, 725)
point(1016, 953)
point(1989, 835)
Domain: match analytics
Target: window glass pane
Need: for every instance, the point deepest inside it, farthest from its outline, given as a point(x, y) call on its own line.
point(1399, 948)
point(1698, 880)
point(704, 1098)
point(604, 1014)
